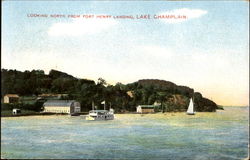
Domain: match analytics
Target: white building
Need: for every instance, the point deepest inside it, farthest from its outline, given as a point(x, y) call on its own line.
point(62, 106)
point(16, 111)
point(145, 109)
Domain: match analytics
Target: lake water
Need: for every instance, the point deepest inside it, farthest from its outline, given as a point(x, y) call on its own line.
point(220, 135)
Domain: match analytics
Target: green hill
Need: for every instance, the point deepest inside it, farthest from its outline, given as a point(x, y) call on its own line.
point(170, 96)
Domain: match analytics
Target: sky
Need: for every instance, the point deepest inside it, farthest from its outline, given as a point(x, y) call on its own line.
point(207, 51)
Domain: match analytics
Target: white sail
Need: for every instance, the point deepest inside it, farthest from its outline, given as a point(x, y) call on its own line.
point(190, 107)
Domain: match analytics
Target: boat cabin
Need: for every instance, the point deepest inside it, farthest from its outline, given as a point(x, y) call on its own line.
point(100, 115)
point(98, 112)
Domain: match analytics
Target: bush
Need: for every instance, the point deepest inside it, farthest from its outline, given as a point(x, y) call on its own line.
point(33, 107)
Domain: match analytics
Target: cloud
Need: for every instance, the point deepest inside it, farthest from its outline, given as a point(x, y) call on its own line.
point(178, 15)
point(81, 27)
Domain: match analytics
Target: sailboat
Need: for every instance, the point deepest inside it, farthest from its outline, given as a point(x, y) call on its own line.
point(190, 110)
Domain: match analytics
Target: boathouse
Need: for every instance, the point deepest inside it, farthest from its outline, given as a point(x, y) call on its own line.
point(62, 106)
point(145, 109)
point(11, 98)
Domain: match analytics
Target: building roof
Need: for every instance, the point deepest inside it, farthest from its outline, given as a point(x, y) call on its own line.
point(12, 95)
point(58, 103)
point(147, 106)
point(51, 95)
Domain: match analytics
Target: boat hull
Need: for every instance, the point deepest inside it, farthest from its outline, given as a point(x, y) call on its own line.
point(100, 118)
point(89, 118)
point(75, 114)
point(190, 113)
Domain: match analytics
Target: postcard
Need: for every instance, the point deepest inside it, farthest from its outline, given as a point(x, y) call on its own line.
point(125, 80)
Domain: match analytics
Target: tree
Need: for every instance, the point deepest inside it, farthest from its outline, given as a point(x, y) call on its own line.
point(161, 96)
point(101, 81)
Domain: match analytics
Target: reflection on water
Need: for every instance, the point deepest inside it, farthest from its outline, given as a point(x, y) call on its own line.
point(220, 135)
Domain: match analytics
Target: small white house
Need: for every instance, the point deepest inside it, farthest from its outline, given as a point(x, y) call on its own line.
point(11, 98)
point(16, 111)
point(62, 106)
point(145, 109)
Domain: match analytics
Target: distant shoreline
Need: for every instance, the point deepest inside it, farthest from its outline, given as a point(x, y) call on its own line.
point(63, 114)
point(85, 113)
point(34, 114)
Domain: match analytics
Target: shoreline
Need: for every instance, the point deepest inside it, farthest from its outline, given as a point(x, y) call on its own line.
point(37, 114)
point(86, 113)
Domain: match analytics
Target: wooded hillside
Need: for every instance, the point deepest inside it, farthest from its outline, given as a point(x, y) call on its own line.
point(121, 97)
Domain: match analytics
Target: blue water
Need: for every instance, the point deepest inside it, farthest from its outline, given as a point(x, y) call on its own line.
point(220, 135)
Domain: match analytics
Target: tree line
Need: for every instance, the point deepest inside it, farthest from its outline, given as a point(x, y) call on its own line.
point(168, 95)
